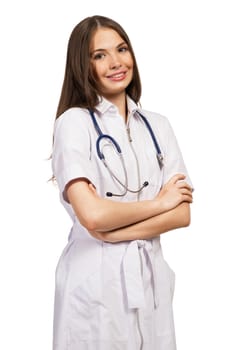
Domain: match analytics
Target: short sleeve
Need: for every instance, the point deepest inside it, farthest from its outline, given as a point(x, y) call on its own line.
point(71, 151)
point(173, 159)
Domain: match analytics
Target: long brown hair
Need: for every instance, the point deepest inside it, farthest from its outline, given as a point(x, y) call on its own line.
point(80, 88)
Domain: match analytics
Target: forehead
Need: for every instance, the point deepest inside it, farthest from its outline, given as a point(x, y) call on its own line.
point(105, 38)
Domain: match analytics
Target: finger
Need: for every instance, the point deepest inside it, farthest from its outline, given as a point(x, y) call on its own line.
point(187, 199)
point(186, 189)
point(177, 177)
point(187, 194)
point(183, 184)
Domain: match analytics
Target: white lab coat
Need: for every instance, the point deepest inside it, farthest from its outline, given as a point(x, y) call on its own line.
point(113, 296)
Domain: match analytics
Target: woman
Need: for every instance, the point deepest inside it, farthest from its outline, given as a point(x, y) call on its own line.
point(123, 181)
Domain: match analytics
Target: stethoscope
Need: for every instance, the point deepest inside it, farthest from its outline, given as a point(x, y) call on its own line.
point(117, 148)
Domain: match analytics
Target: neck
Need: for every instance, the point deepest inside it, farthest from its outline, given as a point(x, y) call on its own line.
point(120, 102)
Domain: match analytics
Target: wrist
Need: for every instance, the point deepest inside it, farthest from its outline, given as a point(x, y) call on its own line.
point(160, 206)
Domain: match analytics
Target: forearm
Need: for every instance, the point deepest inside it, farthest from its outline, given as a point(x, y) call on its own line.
point(110, 215)
point(98, 214)
point(152, 227)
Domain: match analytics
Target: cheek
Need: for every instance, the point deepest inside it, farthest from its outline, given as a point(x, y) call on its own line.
point(130, 66)
point(129, 61)
point(98, 74)
point(99, 70)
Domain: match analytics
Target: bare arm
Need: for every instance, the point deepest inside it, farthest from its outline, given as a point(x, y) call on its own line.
point(149, 228)
point(98, 214)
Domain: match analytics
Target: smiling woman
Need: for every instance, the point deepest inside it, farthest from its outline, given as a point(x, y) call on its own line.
point(113, 287)
point(81, 86)
point(112, 63)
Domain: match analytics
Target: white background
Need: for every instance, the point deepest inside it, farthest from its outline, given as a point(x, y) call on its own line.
point(185, 55)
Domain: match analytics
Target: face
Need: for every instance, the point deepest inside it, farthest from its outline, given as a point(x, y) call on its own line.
point(112, 62)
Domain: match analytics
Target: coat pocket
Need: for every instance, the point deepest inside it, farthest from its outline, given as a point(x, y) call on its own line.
point(97, 311)
point(84, 309)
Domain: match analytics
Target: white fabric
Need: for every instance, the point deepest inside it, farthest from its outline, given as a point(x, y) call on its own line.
point(132, 273)
point(113, 296)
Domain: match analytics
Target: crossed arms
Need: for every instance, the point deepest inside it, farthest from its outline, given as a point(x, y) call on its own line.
point(123, 221)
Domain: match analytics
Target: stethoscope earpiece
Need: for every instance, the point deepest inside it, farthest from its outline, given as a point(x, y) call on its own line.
point(110, 194)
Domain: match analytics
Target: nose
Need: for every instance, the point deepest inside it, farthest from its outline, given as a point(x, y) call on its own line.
point(114, 61)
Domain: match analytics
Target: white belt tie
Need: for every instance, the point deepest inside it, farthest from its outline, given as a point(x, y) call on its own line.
point(132, 270)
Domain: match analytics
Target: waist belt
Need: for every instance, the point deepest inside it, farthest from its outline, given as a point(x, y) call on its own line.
point(133, 275)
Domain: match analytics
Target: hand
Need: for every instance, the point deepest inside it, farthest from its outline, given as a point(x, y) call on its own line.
point(174, 192)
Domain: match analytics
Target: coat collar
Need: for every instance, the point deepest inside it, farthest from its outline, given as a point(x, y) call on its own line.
point(105, 105)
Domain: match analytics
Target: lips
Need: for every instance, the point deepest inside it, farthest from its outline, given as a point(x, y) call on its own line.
point(117, 76)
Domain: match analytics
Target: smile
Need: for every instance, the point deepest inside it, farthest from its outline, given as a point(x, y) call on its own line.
point(117, 76)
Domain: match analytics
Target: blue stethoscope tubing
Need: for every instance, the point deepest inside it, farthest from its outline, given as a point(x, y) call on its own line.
point(101, 156)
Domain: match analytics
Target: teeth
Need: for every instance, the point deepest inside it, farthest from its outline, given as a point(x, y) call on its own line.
point(117, 75)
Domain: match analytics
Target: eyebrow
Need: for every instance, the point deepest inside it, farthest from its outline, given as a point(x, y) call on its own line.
point(102, 50)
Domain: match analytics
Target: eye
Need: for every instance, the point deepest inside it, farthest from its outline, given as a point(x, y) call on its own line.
point(98, 56)
point(123, 49)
